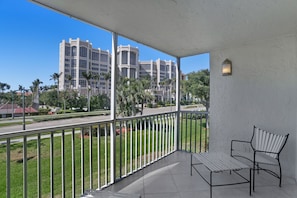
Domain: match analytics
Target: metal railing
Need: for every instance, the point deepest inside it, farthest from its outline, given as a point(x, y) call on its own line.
point(67, 160)
point(194, 131)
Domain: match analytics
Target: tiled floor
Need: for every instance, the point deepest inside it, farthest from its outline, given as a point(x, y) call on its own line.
point(170, 178)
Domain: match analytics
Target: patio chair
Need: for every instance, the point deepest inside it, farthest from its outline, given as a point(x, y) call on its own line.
point(263, 151)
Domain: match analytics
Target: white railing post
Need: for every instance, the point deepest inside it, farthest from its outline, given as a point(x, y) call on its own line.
point(177, 104)
point(113, 106)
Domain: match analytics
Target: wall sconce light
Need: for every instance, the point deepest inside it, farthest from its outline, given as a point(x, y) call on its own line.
point(226, 67)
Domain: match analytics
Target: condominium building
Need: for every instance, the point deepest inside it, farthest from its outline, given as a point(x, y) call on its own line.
point(128, 61)
point(162, 74)
point(78, 57)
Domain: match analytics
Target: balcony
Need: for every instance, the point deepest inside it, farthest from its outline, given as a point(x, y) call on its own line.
point(260, 39)
point(149, 158)
point(68, 160)
point(170, 177)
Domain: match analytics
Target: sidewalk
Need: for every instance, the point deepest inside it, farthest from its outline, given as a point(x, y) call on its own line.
point(74, 120)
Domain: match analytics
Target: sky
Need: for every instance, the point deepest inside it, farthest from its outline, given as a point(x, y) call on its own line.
point(31, 34)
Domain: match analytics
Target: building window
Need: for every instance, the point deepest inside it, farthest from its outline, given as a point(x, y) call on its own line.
point(82, 83)
point(67, 51)
point(83, 64)
point(103, 57)
point(95, 56)
point(83, 52)
point(132, 58)
point(124, 57)
point(73, 63)
point(132, 73)
point(74, 51)
point(167, 67)
point(81, 72)
point(73, 73)
point(124, 72)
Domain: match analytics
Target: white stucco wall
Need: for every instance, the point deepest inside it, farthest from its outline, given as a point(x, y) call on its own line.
point(262, 91)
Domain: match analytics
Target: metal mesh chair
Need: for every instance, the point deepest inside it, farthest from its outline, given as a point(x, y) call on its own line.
point(263, 150)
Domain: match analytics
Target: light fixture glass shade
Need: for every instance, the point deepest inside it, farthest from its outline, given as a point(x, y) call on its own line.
point(226, 67)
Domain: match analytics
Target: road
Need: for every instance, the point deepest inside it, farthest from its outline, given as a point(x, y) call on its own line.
point(44, 124)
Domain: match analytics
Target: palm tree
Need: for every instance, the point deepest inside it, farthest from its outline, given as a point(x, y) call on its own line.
point(130, 94)
point(35, 92)
point(96, 77)
point(143, 95)
point(56, 78)
point(163, 86)
point(3, 87)
point(88, 77)
point(68, 79)
point(124, 97)
point(107, 77)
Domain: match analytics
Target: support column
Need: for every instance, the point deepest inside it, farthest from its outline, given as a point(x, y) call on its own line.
point(114, 75)
point(177, 104)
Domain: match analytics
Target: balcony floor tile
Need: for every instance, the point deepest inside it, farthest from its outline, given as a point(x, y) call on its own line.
point(170, 178)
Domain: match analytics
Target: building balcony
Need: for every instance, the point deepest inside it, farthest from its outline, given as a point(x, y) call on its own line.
point(70, 159)
point(146, 155)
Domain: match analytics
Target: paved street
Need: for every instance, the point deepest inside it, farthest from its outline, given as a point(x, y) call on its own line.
point(76, 120)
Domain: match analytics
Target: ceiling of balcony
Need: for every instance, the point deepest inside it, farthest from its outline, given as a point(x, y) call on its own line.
point(185, 27)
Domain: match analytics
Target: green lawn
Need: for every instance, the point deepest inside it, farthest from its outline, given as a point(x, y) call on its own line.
point(14, 123)
point(133, 161)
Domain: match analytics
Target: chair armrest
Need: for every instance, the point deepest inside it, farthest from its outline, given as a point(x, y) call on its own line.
point(261, 151)
point(240, 142)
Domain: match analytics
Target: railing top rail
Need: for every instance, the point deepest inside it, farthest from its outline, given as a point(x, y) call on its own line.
point(193, 111)
point(144, 116)
point(35, 131)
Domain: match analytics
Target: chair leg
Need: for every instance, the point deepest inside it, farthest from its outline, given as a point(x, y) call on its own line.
point(280, 174)
point(254, 166)
point(191, 164)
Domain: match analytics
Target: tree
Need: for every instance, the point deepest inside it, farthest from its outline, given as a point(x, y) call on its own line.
point(100, 101)
point(198, 85)
point(49, 97)
point(35, 91)
point(167, 85)
point(68, 79)
point(107, 77)
point(144, 96)
point(3, 87)
point(88, 77)
point(96, 77)
point(56, 78)
point(130, 95)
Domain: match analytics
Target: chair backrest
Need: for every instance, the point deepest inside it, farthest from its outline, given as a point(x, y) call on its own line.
point(268, 142)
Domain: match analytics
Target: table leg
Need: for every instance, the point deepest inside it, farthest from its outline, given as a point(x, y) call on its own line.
point(191, 164)
point(210, 184)
point(250, 182)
